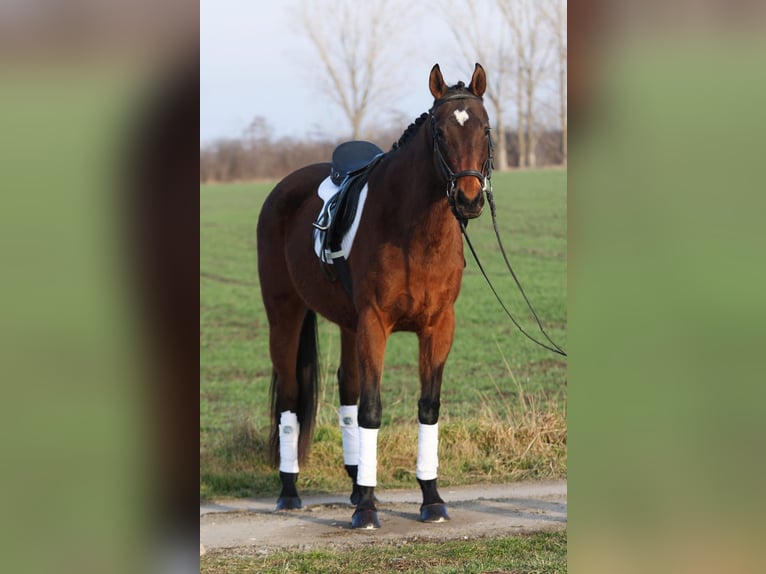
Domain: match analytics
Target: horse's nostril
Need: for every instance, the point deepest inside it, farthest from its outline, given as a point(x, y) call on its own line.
point(475, 203)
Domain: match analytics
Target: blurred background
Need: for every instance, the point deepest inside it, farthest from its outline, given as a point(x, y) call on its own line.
point(665, 286)
point(281, 84)
point(99, 289)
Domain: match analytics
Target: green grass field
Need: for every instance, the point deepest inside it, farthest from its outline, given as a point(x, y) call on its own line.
point(543, 552)
point(499, 388)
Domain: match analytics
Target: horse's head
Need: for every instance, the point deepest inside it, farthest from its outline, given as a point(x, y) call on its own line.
point(462, 141)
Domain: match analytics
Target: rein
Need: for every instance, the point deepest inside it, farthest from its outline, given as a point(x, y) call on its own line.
point(486, 181)
point(555, 348)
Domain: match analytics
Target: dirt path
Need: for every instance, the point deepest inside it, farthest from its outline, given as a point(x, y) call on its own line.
point(479, 510)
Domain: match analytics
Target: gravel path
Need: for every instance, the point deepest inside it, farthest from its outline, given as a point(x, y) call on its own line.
point(324, 521)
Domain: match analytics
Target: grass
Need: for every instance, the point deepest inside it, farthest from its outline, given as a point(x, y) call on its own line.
point(503, 413)
point(540, 553)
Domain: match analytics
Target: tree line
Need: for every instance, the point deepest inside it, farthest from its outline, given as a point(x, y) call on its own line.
point(265, 157)
point(356, 50)
point(358, 47)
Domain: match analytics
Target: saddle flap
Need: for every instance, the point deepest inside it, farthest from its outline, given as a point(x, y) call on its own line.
point(350, 157)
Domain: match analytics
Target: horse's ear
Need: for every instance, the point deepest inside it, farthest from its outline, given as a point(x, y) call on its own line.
point(436, 83)
point(479, 81)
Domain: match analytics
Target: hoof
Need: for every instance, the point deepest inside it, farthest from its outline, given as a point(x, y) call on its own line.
point(289, 503)
point(365, 519)
point(436, 512)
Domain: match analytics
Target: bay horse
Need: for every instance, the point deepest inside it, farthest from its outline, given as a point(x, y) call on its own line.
point(406, 268)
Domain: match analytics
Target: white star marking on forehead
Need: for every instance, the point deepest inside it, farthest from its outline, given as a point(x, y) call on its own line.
point(461, 116)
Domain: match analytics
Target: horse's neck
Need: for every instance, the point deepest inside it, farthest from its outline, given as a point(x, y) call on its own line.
point(420, 206)
point(422, 193)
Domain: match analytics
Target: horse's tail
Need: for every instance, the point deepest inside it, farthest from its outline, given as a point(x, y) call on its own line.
point(307, 372)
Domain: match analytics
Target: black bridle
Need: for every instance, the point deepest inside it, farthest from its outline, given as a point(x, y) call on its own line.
point(484, 176)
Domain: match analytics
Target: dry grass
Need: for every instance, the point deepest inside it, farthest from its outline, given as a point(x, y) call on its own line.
point(524, 439)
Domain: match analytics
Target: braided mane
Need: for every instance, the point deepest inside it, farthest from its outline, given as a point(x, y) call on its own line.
point(458, 88)
point(410, 131)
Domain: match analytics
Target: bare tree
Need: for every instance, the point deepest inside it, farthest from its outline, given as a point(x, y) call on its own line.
point(555, 17)
point(524, 19)
point(258, 130)
point(473, 32)
point(356, 44)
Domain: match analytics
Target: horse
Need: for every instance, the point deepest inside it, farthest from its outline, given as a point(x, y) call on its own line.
point(405, 269)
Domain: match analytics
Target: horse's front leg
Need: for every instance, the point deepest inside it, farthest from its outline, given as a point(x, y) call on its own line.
point(435, 343)
point(372, 334)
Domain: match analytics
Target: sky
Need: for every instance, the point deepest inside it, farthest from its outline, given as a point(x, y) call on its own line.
point(256, 61)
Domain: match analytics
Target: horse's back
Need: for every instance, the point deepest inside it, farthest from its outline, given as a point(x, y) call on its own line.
point(287, 264)
point(287, 198)
point(292, 198)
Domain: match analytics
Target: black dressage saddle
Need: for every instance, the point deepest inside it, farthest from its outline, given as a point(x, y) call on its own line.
point(351, 164)
point(350, 158)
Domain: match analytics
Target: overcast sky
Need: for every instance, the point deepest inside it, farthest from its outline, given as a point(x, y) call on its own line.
point(255, 61)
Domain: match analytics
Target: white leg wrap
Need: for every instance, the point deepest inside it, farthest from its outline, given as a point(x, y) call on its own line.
point(428, 451)
point(347, 417)
point(289, 430)
point(367, 474)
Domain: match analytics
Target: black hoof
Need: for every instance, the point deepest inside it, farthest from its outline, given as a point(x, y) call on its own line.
point(365, 519)
point(289, 503)
point(436, 512)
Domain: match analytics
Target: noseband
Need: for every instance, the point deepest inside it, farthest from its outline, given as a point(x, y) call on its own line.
point(484, 176)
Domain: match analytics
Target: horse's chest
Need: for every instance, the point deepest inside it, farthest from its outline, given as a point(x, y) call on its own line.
point(413, 289)
point(410, 275)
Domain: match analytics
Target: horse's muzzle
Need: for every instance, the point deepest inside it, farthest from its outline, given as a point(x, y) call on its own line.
point(469, 208)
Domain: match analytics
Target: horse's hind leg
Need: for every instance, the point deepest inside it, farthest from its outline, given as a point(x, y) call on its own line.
point(286, 320)
point(435, 343)
point(348, 386)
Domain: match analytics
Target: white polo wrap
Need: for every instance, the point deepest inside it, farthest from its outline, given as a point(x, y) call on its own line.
point(289, 430)
point(347, 418)
point(367, 474)
point(428, 451)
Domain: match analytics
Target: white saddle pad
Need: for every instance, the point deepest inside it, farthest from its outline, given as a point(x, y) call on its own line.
point(326, 190)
